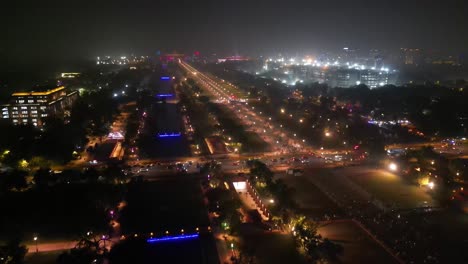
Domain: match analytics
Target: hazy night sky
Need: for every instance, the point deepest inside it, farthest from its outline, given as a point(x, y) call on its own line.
point(43, 31)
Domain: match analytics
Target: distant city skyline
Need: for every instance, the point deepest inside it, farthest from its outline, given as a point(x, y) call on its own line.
point(41, 32)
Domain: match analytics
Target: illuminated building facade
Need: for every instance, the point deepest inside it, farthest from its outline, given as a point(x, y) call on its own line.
point(33, 107)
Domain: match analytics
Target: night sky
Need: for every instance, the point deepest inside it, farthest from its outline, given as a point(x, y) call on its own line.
point(41, 31)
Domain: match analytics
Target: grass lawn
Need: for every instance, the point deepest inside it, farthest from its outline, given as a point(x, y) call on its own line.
point(254, 143)
point(42, 257)
point(271, 248)
point(389, 187)
point(311, 201)
point(358, 246)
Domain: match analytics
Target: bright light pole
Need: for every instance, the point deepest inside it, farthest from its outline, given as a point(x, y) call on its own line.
point(35, 241)
point(232, 249)
point(104, 239)
point(431, 185)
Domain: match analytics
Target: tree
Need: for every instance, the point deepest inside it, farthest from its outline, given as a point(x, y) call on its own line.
point(330, 250)
point(15, 179)
point(316, 247)
point(260, 169)
point(90, 174)
point(87, 250)
point(115, 174)
point(12, 253)
point(42, 178)
point(40, 162)
point(204, 99)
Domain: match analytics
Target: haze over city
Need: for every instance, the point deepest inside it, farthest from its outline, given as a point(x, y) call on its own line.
point(34, 31)
point(234, 132)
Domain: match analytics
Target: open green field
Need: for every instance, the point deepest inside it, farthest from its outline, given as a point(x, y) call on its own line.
point(358, 246)
point(311, 201)
point(271, 248)
point(389, 188)
point(254, 143)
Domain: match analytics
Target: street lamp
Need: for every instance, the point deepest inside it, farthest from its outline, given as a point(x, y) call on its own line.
point(232, 249)
point(431, 185)
point(392, 166)
point(35, 241)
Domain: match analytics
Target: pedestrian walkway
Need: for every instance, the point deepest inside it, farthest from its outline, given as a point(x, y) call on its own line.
point(250, 204)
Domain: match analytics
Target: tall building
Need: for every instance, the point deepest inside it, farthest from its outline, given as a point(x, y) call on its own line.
point(346, 77)
point(33, 107)
point(412, 56)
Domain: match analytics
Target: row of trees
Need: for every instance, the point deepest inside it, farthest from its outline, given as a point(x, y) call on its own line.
point(42, 178)
point(317, 248)
point(284, 210)
point(223, 201)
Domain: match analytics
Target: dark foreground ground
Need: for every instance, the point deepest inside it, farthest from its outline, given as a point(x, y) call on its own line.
point(173, 205)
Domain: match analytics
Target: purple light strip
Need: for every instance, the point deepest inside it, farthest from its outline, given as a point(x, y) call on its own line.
point(170, 135)
point(171, 238)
